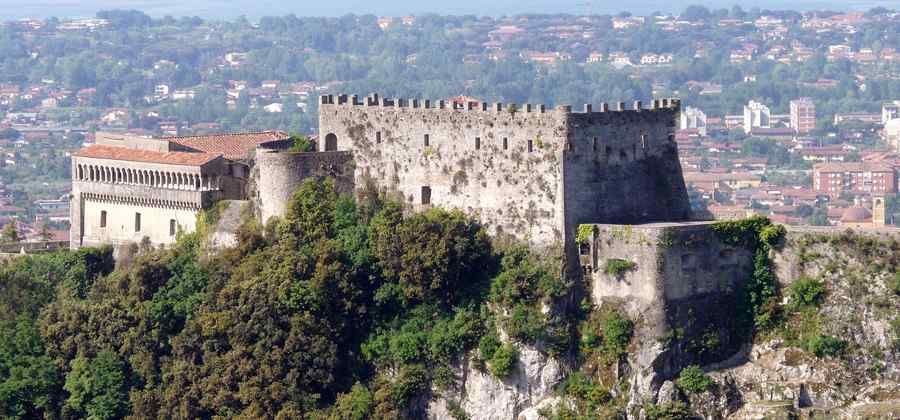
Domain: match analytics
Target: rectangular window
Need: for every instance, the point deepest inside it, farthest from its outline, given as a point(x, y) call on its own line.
point(530, 146)
point(137, 222)
point(103, 218)
point(505, 143)
point(172, 227)
point(594, 144)
point(477, 143)
point(426, 195)
point(426, 141)
point(378, 137)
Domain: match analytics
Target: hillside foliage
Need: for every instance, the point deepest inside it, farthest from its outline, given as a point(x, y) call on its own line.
point(341, 309)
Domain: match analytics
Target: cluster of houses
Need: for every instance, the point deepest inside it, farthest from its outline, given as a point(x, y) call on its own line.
point(840, 183)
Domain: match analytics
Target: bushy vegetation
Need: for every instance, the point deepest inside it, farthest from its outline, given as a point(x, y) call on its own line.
point(301, 144)
point(693, 379)
point(617, 267)
point(806, 292)
point(341, 309)
point(675, 410)
point(502, 361)
point(759, 306)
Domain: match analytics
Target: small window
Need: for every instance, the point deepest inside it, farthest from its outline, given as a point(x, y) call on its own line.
point(103, 218)
point(477, 143)
point(172, 227)
point(137, 222)
point(608, 151)
point(378, 137)
point(530, 146)
point(426, 195)
point(505, 143)
point(427, 142)
point(594, 144)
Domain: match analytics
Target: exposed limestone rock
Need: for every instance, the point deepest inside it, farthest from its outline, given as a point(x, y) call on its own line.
point(482, 396)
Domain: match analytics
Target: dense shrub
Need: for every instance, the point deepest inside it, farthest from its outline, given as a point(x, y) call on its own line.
point(693, 379)
point(617, 267)
point(97, 387)
point(806, 291)
point(824, 345)
point(675, 410)
point(503, 360)
point(894, 284)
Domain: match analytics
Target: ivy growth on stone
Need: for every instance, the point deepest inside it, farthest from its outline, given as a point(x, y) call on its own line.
point(759, 305)
point(584, 233)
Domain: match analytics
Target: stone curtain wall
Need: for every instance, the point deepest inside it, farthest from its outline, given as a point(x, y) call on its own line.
point(278, 173)
point(464, 164)
point(524, 170)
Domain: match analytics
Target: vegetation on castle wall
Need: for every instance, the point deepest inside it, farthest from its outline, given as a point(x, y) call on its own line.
point(759, 305)
point(301, 144)
point(617, 267)
point(584, 233)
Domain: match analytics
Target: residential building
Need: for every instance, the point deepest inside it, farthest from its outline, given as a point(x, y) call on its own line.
point(889, 111)
point(854, 177)
point(694, 118)
point(803, 115)
point(756, 115)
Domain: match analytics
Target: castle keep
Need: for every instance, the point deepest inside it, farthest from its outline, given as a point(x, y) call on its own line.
point(525, 170)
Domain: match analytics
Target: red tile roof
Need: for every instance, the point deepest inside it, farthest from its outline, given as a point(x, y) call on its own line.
point(137, 155)
point(231, 145)
point(852, 167)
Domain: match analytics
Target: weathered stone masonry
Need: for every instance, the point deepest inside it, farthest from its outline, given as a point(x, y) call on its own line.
point(524, 170)
point(278, 173)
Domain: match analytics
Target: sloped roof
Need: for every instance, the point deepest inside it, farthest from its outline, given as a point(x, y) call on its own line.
point(856, 214)
point(231, 145)
point(138, 155)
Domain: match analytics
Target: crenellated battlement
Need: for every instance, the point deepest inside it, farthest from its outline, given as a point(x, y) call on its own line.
point(374, 100)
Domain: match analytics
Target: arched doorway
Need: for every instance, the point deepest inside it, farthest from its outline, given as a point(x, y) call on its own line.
point(330, 142)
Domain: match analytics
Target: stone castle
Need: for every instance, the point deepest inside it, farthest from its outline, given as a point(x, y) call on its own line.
point(524, 170)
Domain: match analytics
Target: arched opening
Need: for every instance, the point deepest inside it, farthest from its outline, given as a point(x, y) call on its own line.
point(330, 142)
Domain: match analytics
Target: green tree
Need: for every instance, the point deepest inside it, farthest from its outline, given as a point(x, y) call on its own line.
point(10, 234)
point(97, 386)
point(30, 383)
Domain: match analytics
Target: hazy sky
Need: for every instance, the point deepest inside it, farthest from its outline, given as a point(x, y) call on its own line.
point(14, 9)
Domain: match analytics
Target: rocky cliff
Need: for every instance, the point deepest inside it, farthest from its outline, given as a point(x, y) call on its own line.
point(821, 339)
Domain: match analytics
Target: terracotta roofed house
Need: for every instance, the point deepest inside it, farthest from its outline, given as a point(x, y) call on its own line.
point(128, 189)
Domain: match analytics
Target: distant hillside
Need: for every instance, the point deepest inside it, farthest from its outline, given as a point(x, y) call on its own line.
point(18, 9)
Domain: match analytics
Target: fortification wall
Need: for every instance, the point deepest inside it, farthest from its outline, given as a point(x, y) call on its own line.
point(683, 289)
point(499, 163)
point(525, 170)
point(277, 173)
